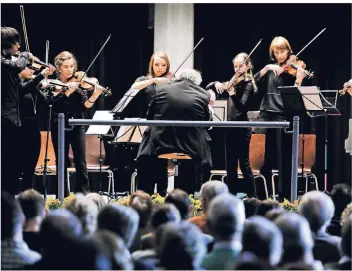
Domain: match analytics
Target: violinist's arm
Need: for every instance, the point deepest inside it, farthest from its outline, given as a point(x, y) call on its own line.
point(143, 84)
point(26, 86)
point(15, 66)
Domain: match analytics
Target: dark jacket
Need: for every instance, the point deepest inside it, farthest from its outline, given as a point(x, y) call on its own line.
point(180, 100)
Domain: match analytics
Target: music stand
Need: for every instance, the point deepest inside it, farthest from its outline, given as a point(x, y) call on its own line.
point(101, 131)
point(130, 134)
point(125, 100)
point(220, 110)
point(302, 101)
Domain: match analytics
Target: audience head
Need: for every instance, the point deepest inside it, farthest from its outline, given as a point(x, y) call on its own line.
point(181, 200)
point(115, 246)
point(341, 195)
point(182, 239)
point(86, 211)
point(97, 199)
point(121, 220)
point(249, 261)
point(346, 237)
point(191, 75)
point(210, 190)
point(164, 213)
point(298, 240)
point(142, 203)
point(268, 205)
point(274, 213)
point(32, 203)
point(318, 209)
point(225, 217)
point(11, 213)
point(251, 206)
point(263, 238)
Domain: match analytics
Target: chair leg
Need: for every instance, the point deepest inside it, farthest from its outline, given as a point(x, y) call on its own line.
point(265, 185)
point(273, 184)
point(306, 182)
point(211, 176)
point(223, 178)
point(316, 181)
point(109, 184)
point(133, 182)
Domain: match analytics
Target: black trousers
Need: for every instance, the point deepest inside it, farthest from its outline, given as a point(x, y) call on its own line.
point(152, 170)
point(237, 150)
point(278, 153)
point(11, 138)
point(75, 138)
point(30, 151)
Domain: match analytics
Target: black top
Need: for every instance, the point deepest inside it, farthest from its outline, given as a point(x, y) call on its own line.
point(33, 240)
point(145, 96)
point(269, 83)
point(28, 98)
point(72, 106)
point(237, 105)
point(10, 107)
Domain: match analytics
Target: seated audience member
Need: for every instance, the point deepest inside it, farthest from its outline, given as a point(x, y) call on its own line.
point(273, 214)
point(160, 215)
point(86, 211)
point(15, 253)
point(249, 261)
point(345, 263)
point(33, 207)
point(262, 238)
point(116, 248)
point(209, 191)
point(121, 220)
point(180, 246)
point(318, 209)
point(268, 205)
point(98, 200)
point(181, 200)
point(225, 220)
point(341, 196)
point(60, 227)
point(142, 203)
point(298, 241)
point(251, 206)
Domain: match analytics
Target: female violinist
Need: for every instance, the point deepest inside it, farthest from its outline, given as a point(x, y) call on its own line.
point(269, 79)
point(158, 71)
point(238, 139)
point(73, 103)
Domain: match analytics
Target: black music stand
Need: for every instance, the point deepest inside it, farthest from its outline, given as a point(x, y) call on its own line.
point(130, 134)
point(220, 110)
point(302, 101)
point(102, 131)
point(125, 100)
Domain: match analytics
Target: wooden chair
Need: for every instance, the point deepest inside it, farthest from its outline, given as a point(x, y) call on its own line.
point(309, 161)
point(256, 159)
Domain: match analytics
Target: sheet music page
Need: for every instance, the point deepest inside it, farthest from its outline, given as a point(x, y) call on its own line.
point(100, 129)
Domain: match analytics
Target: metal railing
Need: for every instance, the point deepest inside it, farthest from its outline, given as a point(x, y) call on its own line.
point(264, 124)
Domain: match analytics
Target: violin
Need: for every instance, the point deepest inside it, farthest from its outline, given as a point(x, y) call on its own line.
point(35, 62)
point(88, 83)
point(292, 64)
point(347, 88)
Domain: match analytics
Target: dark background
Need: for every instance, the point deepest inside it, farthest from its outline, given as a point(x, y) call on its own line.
point(227, 28)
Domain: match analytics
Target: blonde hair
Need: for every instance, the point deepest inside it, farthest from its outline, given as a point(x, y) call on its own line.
point(244, 56)
point(279, 43)
point(65, 55)
point(162, 55)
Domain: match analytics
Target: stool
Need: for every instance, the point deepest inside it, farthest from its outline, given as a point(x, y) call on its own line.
point(174, 157)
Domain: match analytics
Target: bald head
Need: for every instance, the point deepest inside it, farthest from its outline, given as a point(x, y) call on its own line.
point(318, 208)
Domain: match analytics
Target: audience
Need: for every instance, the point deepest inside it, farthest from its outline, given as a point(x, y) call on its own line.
point(142, 203)
point(182, 202)
point(298, 242)
point(98, 200)
point(318, 208)
point(15, 253)
point(225, 220)
point(251, 206)
point(33, 207)
point(266, 206)
point(264, 239)
point(209, 191)
point(180, 246)
point(86, 211)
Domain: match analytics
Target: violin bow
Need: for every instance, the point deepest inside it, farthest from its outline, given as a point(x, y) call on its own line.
point(24, 28)
point(305, 47)
point(186, 58)
point(90, 65)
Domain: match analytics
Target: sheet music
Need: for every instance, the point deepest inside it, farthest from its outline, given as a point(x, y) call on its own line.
point(100, 129)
